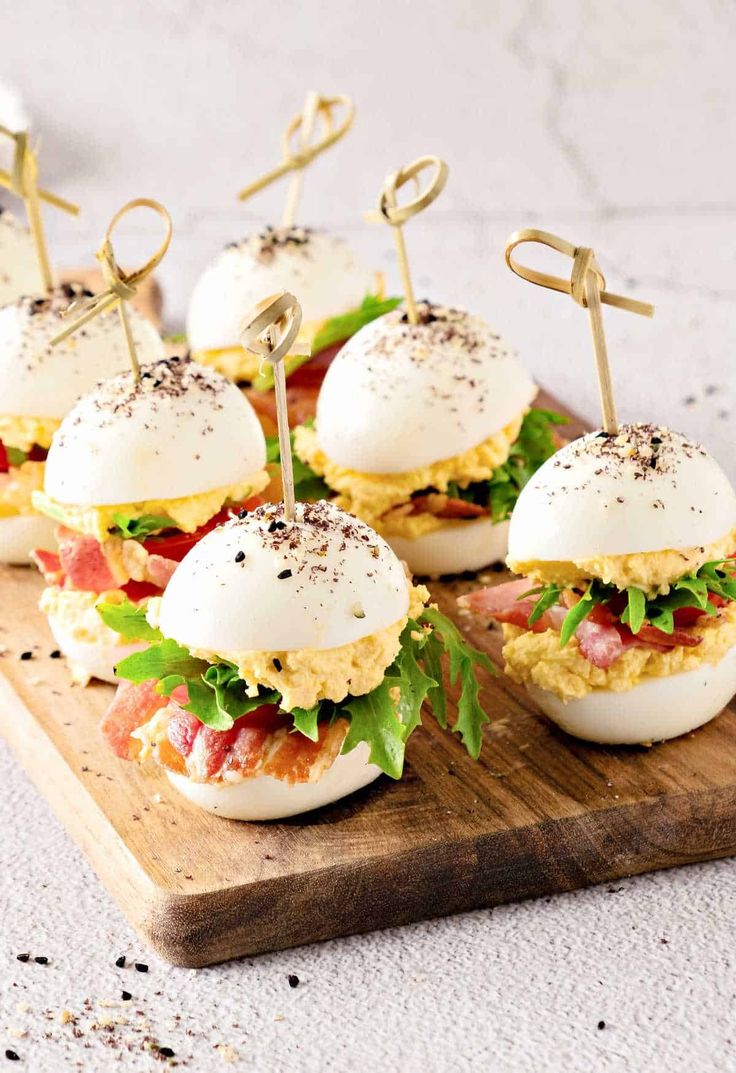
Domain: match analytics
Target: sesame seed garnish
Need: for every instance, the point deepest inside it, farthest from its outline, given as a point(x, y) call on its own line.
point(120, 962)
point(239, 557)
point(284, 574)
point(140, 966)
point(293, 980)
point(277, 664)
point(126, 996)
point(26, 655)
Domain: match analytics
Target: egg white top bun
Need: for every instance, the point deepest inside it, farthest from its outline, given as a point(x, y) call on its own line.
point(38, 380)
point(646, 489)
point(339, 582)
point(418, 394)
point(19, 272)
point(181, 430)
point(319, 268)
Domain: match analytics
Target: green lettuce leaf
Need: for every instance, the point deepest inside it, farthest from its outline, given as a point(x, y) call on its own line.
point(129, 620)
point(15, 456)
point(347, 324)
point(375, 720)
point(534, 445)
point(691, 590)
point(383, 719)
point(463, 662)
point(141, 527)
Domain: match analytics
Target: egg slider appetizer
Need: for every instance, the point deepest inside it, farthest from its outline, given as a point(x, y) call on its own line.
point(438, 439)
point(338, 293)
point(623, 627)
point(287, 666)
point(137, 473)
point(19, 273)
point(39, 384)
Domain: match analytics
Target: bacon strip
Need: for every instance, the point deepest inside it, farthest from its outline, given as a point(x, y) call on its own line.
point(444, 506)
point(602, 637)
point(49, 563)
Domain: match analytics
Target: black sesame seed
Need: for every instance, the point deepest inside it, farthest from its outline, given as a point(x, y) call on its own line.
point(26, 655)
point(280, 525)
point(293, 980)
point(23, 957)
point(56, 654)
point(120, 962)
point(239, 557)
point(12, 1056)
point(242, 513)
point(601, 1025)
point(166, 1052)
point(277, 664)
point(141, 967)
point(272, 527)
point(41, 960)
point(126, 996)
point(284, 574)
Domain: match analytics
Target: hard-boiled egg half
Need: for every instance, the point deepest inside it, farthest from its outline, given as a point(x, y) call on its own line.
point(426, 432)
point(623, 628)
point(337, 292)
point(136, 474)
point(19, 273)
point(39, 384)
point(283, 670)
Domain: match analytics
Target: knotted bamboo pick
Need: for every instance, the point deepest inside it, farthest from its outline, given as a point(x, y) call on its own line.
point(390, 212)
point(22, 180)
point(587, 287)
point(297, 160)
point(121, 286)
point(270, 330)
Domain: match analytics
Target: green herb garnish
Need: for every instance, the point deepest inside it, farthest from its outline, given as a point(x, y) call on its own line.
point(384, 718)
point(308, 485)
point(141, 527)
point(691, 590)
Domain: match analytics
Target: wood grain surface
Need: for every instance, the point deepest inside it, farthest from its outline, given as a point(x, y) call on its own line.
point(539, 813)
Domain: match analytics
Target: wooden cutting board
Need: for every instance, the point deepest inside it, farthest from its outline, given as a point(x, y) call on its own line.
point(539, 813)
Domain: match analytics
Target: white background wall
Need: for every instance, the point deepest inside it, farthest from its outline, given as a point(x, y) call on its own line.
point(611, 123)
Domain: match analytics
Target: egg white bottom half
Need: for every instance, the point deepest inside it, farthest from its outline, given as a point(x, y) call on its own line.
point(266, 798)
point(21, 533)
point(454, 549)
point(654, 710)
point(92, 660)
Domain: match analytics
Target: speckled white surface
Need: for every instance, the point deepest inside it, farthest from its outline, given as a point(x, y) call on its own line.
point(612, 124)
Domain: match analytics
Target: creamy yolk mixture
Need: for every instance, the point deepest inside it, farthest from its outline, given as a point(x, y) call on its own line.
point(309, 675)
point(17, 488)
point(651, 571)
point(382, 499)
point(74, 613)
point(24, 432)
point(537, 659)
point(187, 513)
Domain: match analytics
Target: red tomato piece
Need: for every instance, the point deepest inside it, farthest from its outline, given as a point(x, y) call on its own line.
point(174, 544)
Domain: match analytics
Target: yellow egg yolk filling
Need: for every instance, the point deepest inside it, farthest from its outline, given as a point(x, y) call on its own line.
point(537, 659)
point(383, 499)
point(651, 571)
point(187, 513)
point(17, 487)
point(25, 432)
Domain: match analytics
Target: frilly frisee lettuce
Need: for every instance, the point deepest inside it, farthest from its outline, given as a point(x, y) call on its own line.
point(533, 446)
point(384, 718)
point(691, 590)
point(141, 527)
point(333, 331)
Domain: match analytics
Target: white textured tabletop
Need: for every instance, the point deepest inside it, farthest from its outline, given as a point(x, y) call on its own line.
point(610, 124)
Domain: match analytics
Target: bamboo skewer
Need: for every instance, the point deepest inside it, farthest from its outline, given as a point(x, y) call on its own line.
point(297, 160)
point(22, 181)
point(395, 215)
point(269, 331)
point(121, 286)
point(587, 287)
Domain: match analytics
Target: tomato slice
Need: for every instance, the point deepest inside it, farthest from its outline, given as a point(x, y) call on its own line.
point(173, 544)
point(140, 590)
point(312, 373)
point(4, 464)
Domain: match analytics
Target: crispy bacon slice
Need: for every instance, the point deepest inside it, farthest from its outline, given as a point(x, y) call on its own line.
point(131, 707)
point(260, 743)
point(602, 637)
point(84, 562)
point(49, 563)
point(444, 506)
